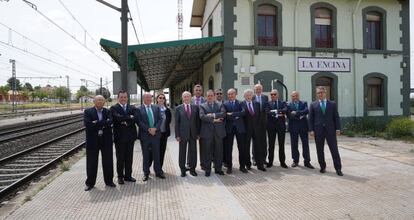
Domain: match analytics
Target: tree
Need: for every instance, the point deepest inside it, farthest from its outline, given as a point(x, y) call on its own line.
point(61, 93)
point(4, 89)
point(10, 82)
point(83, 91)
point(27, 86)
point(105, 92)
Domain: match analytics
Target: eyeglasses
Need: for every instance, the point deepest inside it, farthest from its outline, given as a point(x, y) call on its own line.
point(273, 94)
point(320, 92)
point(219, 93)
point(161, 97)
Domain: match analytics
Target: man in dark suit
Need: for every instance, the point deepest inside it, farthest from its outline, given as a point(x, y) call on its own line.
point(98, 123)
point(298, 127)
point(263, 100)
point(212, 132)
point(125, 134)
point(234, 127)
point(187, 131)
point(254, 131)
point(276, 126)
point(149, 119)
point(325, 124)
point(197, 100)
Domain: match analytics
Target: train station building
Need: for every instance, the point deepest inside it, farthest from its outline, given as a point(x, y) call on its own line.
point(358, 49)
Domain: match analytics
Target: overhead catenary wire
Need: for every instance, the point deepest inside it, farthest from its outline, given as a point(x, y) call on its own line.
point(44, 47)
point(44, 58)
point(133, 25)
point(140, 21)
point(66, 32)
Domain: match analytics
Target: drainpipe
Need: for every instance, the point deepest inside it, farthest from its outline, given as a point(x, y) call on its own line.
point(354, 57)
point(295, 19)
point(252, 40)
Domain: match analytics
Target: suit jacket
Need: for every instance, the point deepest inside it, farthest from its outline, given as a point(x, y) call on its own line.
point(318, 121)
point(265, 100)
point(187, 127)
point(202, 100)
point(273, 122)
point(252, 122)
point(124, 126)
point(168, 117)
point(143, 123)
point(208, 127)
point(298, 122)
point(93, 125)
point(237, 118)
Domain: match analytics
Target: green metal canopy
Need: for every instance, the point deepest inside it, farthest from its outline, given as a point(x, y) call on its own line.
point(159, 65)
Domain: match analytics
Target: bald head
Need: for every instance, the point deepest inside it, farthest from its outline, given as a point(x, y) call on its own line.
point(295, 96)
point(258, 89)
point(99, 101)
point(147, 98)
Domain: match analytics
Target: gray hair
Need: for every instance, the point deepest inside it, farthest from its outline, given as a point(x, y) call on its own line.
point(186, 93)
point(275, 90)
point(248, 91)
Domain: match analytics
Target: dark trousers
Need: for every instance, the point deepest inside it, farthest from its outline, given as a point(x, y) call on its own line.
point(333, 147)
point(124, 156)
point(210, 145)
point(92, 155)
point(163, 147)
point(151, 147)
point(259, 147)
point(294, 139)
point(187, 149)
point(228, 148)
point(271, 134)
point(200, 144)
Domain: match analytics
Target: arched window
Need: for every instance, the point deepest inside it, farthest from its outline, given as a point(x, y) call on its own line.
point(323, 29)
point(327, 80)
point(375, 92)
point(374, 28)
point(267, 25)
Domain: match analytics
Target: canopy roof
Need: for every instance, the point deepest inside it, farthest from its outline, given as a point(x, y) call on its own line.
point(159, 65)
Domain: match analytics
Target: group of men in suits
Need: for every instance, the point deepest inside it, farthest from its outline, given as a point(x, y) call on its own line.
point(217, 123)
point(104, 127)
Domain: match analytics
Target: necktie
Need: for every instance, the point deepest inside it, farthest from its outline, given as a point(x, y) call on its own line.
point(187, 110)
point(198, 100)
point(150, 117)
point(251, 109)
point(323, 107)
point(124, 107)
point(297, 106)
point(232, 105)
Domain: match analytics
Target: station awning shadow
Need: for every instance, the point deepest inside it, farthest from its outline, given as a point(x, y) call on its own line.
point(162, 64)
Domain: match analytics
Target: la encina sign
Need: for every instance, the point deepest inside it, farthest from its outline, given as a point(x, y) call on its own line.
point(321, 64)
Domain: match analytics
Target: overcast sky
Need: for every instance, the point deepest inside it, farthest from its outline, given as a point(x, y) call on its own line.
point(158, 19)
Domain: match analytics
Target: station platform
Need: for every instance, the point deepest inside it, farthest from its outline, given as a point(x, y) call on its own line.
point(375, 185)
point(38, 117)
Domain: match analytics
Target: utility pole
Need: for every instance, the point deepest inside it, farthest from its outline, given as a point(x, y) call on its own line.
point(100, 88)
point(124, 36)
point(13, 62)
point(67, 84)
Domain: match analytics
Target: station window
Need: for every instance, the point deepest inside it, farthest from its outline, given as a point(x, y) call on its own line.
point(374, 28)
point(326, 82)
point(323, 29)
point(267, 29)
point(375, 93)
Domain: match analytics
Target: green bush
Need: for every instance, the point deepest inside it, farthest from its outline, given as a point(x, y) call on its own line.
point(400, 127)
point(370, 126)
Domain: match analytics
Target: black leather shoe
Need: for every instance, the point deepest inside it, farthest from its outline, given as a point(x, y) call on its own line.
point(322, 170)
point(221, 173)
point(161, 176)
point(207, 173)
point(254, 163)
point(229, 170)
point(111, 185)
point(193, 173)
point(339, 173)
point(243, 170)
point(295, 164)
point(87, 188)
point(268, 165)
point(130, 179)
point(183, 174)
point(248, 167)
point(308, 165)
point(121, 181)
point(262, 169)
point(284, 165)
point(145, 178)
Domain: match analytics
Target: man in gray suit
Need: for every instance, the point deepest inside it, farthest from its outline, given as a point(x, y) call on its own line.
point(197, 100)
point(212, 133)
point(325, 124)
point(187, 131)
point(149, 119)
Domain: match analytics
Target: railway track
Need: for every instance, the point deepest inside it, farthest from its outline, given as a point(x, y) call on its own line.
point(20, 168)
point(32, 112)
